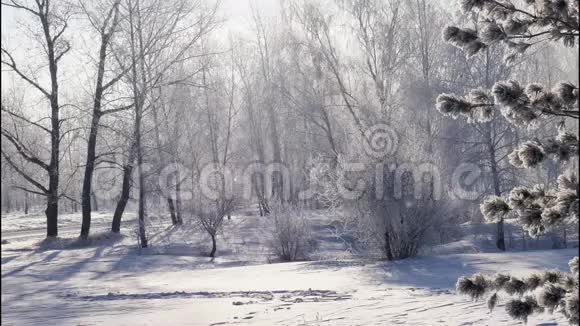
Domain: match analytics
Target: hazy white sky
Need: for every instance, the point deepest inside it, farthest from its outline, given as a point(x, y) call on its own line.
point(237, 17)
point(239, 11)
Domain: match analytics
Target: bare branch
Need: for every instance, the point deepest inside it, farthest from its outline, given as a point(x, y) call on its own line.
point(30, 191)
point(22, 150)
point(25, 119)
point(23, 174)
point(119, 109)
point(16, 5)
point(12, 64)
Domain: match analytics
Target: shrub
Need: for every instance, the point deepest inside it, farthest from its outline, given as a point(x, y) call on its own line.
point(291, 238)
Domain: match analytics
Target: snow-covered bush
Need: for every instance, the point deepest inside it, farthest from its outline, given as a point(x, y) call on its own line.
point(291, 237)
point(380, 225)
point(404, 227)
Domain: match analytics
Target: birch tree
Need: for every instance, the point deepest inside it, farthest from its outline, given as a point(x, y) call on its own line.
point(51, 21)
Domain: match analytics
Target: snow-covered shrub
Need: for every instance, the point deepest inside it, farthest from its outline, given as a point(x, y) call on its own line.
point(291, 237)
point(392, 225)
point(403, 227)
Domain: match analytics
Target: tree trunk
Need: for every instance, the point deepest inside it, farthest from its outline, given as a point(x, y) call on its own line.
point(500, 243)
point(95, 201)
point(257, 145)
point(388, 250)
point(171, 210)
point(52, 196)
point(565, 240)
point(7, 201)
point(87, 193)
point(51, 213)
point(25, 203)
point(277, 178)
point(125, 192)
point(178, 200)
point(213, 246)
point(500, 236)
point(161, 161)
point(139, 97)
point(265, 208)
point(53, 169)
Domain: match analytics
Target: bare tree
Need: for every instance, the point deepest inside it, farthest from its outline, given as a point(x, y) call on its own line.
point(268, 96)
point(105, 27)
point(256, 133)
point(383, 37)
point(53, 22)
point(162, 37)
point(317, 29)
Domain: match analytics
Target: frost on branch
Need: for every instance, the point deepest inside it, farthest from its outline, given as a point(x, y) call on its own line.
point(492, 33)
point(556, 20)
point(474, 287)
point(568, 93)
point(550, 296)
point(572, 307)
point(466, 39)
point(494, 209)
point(521, 106)
point(548, 291)
point(574, 265)
point(476, 108)
point(515, 286)
point(520, 25)
point(492, 302)
point(468, 5)
point(528, 155)
point(521, 309)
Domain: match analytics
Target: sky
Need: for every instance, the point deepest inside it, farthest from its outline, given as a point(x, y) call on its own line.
point(236, 16)
point(239, 11)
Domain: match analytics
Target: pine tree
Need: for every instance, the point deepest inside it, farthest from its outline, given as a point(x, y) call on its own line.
point(538, 208)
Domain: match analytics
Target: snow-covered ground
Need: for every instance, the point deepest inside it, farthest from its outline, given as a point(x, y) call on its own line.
point(36, 220)
point(110, 283)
